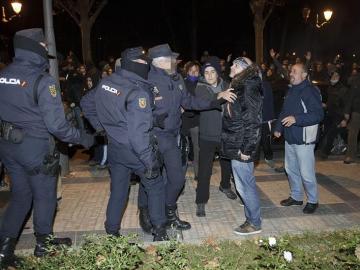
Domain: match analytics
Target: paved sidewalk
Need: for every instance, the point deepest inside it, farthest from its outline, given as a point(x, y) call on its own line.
point(85, 194)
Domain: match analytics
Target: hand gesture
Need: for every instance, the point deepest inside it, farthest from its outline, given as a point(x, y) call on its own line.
point(228, 58)
point(227, 95)
point(288, 121)
point(273, 54)
point(277, 134)
point(343, 124)
point(308, 56)
point(244, 157)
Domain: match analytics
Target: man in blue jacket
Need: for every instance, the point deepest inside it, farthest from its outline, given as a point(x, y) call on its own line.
point(298, 122)
point(31, 112)
point(170, 99)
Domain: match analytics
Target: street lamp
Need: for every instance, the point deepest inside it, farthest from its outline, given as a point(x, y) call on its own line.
point(327, 15)
point(16, 6)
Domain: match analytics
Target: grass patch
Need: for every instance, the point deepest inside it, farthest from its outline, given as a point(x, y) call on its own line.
point(327, 250)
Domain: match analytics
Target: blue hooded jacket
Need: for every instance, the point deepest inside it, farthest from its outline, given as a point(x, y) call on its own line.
point(310, 96)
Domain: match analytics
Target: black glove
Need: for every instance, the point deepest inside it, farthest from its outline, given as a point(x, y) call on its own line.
point(86, 140)
point(154, 169)
point(152, 172)
point(159, 120)
point(100, 132)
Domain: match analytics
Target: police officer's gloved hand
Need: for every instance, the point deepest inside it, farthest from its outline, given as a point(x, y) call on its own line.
point(152, 172)
point(100, 132)
point(159, 120)
point(154, 168)
point(87, 140)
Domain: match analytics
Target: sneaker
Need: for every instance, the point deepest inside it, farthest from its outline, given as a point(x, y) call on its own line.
point(247, 229)
point(270, 163)
point(228, 192)
point(310, 208)
point(290, 201)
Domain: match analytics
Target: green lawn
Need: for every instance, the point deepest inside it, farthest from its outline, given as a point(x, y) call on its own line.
point(328, 250)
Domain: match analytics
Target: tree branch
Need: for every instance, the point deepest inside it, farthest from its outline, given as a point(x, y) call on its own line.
point(71, 12)
point(93, 17)
point(269, 13)
point(91, 4)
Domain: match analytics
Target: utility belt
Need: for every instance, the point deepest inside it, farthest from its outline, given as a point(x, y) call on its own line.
point(10, 133)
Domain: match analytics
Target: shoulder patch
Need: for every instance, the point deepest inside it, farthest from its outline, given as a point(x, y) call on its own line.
point(52, 90)
point(142, 103)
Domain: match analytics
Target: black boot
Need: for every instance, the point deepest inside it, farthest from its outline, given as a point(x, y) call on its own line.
point(144, 220)
point(173, 219)
point(46, 242)
point(7, 257)
point(160, 234)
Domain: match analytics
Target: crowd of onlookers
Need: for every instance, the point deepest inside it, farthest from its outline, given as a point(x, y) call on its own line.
point(338, 82)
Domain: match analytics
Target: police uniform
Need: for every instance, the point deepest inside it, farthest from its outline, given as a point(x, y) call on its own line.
point(124, 104)
point(172, 96)
point(30, 110)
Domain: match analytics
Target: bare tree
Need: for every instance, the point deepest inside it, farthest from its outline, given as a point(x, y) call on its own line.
point(84, 13)
point(262, 10)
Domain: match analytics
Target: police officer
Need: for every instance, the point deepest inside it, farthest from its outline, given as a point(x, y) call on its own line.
point(124, 104)
point(171, 99)
point(30, 112)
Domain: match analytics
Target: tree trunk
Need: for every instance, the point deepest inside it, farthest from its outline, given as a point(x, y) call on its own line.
point(259, 39)
point(85, 27)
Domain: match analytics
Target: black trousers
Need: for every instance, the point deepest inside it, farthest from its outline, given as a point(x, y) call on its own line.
point(206, 158)
point(28, 190)
point(265, 143)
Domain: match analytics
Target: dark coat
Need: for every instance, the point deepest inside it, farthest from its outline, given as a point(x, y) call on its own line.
point(171, 98)
point(242, 119)
point(210, 125)
point(353, 103)
point(190, 118)
point(337, 96)
point(17, 104)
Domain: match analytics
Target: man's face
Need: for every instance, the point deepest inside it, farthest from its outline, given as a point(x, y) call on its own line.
point(319, 67)
point(235, 69)
point(82, 70)
point(222, 65)
point(194, 71)
point(211, 75)
point(335, 77)
point(297, 74)
point(165, 63)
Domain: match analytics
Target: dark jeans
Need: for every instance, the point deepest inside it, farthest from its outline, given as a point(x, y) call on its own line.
point(206, 158)
point(331, 133)
point(354, 127)
point(265, 143)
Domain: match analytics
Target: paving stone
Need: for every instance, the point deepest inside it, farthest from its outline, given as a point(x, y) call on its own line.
point(86, 191)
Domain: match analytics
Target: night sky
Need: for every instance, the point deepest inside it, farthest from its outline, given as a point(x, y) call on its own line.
point(224, 26)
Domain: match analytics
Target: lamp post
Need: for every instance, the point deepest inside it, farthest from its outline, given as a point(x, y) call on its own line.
point(327, 15)
point(16, 7)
